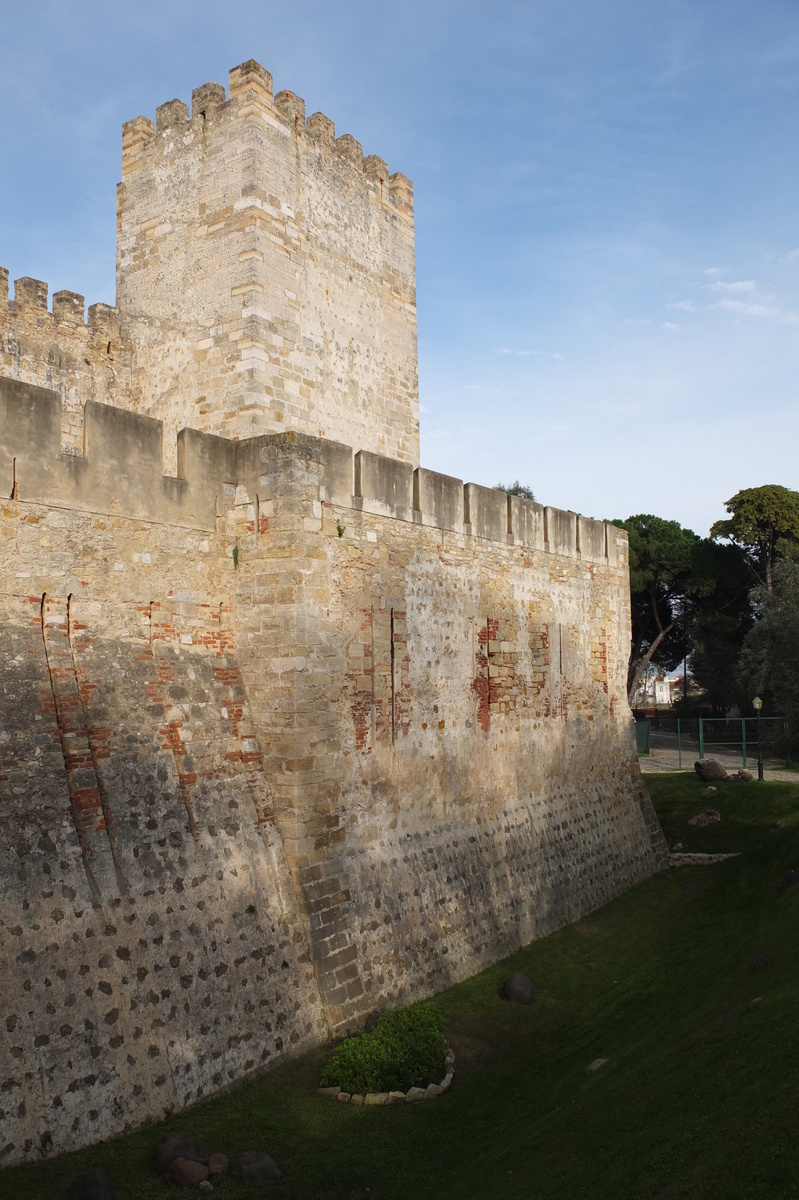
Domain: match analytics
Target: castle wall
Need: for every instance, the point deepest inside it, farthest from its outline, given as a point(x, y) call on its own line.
point(265, 270)
point(288, 737)
point(80, 360)
point(445, 721)
point(152, 946)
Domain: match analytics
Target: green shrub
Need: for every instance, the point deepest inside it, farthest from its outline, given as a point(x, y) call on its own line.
point(405, 1049)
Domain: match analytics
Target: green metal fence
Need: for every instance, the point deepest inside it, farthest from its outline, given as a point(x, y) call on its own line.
point(745, 734)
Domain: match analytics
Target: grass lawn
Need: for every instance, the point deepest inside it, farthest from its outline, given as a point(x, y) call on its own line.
point(698, 1098)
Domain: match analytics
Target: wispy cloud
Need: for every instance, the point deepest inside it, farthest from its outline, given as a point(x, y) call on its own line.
point(518, 353)
point(685, 305)
point(734, 285)
point(670, 325)
point(713, 271)
point(755, 309)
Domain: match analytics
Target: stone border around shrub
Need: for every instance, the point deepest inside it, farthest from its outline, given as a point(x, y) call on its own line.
point(413, 1096)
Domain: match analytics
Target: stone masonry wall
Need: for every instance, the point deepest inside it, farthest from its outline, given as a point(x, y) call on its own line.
point(287, 737)
point(437, 675)
point(152, 946)
point(265, 272)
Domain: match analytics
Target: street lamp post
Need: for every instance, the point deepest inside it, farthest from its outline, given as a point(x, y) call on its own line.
point(757, 704)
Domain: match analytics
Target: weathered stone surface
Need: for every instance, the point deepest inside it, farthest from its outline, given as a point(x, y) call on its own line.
point(708, 816)
point(343, 1097)
point(375, 1098)
point(93, 1184)
point(710, 769)
point(254, 1166)
point(432, 1090)
point(741, 776)
point(186, 1173)
point(174, 1145)
point(396, 1098)
point(414, 1095)
point(356, 1098)
point(517, 989)
point(595, 1065)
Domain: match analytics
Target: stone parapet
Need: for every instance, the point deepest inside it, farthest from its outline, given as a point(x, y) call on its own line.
point(79, 358)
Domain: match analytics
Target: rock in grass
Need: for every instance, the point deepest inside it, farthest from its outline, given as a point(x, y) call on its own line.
point(186, 1173)
point(217, 1164)
point(517, 989)
point(91, 1185)
point(174, 1145)
point(708, 816)
point(709, 770)
point(254, 1166)
point(595, 1065)
point(414, 1095)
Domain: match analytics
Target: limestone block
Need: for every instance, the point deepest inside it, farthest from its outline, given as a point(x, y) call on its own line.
point(439, 499)
point(526, 522)
point(592, 539)
point(384, 485)
point(486, 512)
point(561, 532)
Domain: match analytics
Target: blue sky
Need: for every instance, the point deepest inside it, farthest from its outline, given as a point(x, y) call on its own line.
point(606, 211)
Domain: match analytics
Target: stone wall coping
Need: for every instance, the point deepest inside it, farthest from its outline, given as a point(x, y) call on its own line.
point(121, 470)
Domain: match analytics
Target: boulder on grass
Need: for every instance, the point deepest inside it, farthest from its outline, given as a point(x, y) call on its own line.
point(709, 770)
point(517, 989)
point(218, 1164)
point(91, 1185)
point(256, 1167)
point(708, 816)
point(186, 1173)
point(742, 776)
point(174, 1145)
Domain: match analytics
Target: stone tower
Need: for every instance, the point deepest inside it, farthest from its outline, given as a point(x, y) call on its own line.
point(266, 272)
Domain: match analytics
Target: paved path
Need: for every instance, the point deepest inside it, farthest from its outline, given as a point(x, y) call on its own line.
point(665, 757)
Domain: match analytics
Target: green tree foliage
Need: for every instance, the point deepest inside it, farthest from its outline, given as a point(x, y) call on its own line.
point(760, 518)
point(721, 620)
point(516, 489)
point(688, 595)
point(665, 579)
point(769, 661)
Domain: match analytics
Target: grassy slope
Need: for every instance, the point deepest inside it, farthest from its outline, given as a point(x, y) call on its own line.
point(689, 1105)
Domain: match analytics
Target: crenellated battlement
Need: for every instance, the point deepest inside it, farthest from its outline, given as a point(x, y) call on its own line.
point(80, 356)
point(120, 472)
point(69, 308)
point(251, 97)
